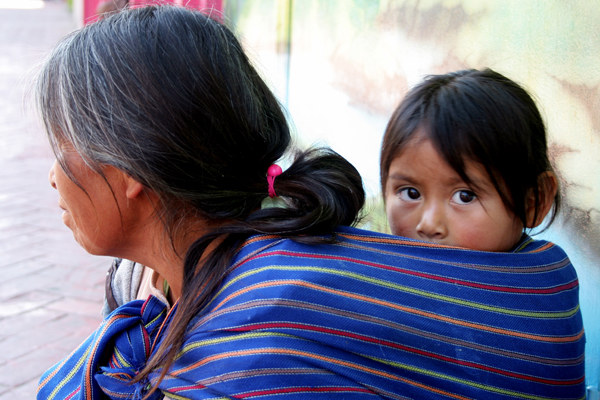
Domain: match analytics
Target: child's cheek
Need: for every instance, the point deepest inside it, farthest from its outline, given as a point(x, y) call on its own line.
point(400, 223)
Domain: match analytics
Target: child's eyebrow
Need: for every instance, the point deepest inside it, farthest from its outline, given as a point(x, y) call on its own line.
point(480, 184)
point(400, 177)
point(477, 183)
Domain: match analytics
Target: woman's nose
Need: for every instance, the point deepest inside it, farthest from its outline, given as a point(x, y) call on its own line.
point(432, 224)
point(51, 174)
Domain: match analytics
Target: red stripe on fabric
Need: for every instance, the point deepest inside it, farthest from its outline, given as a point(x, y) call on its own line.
point(253, 352)
point(336, 389)
point(396, 306)
point(506, 289)
point(73, 393)
point(183, 388)
point(89, 373)
point(405, 348)
point(411, 243)
point(164, 324)
point(397, 241)
point(391, 324)
point(542, 248)
point(58, 368)
point(147, 343)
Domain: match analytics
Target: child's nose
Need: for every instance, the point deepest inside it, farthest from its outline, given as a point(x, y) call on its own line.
point(432, 224)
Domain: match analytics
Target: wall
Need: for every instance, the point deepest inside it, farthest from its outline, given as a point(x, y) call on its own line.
point(348, 62)
point(84, 11)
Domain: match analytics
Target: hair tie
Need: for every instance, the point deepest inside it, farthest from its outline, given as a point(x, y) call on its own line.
point(273, 171)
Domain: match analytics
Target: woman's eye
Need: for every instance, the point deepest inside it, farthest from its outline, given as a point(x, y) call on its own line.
point(409, 193)
point(464, 197)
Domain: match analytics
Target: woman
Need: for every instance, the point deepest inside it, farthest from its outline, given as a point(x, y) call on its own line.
point(166, 140)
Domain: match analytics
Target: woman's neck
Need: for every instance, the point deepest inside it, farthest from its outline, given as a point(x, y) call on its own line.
point(152, 246)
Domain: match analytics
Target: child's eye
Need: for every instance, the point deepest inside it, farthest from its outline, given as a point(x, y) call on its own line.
point(409, 193)
point(464, 197)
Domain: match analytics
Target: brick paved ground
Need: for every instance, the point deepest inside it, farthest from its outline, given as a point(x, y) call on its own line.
point(51, 290)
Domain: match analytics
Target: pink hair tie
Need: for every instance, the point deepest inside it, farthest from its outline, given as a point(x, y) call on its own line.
point(273, 171)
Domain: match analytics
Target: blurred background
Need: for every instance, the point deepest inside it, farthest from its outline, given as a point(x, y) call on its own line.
point(340, 67)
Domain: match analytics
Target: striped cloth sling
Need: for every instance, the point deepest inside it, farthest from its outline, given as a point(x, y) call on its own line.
point(372, 316)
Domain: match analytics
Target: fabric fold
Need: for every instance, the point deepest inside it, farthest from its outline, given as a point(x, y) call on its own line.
point(106, 362)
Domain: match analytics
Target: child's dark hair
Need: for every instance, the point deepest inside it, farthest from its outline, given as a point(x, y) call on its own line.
point(482, 116)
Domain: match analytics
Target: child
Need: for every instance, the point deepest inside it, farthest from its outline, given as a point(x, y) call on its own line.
point(464, 163)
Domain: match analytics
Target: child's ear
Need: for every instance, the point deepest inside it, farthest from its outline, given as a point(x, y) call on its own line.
point(547, 188)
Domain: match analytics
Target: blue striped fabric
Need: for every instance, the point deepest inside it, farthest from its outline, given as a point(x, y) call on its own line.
point(371, 316)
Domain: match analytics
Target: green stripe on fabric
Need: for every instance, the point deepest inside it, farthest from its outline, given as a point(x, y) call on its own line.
point(121, 359)
point(407, 289)
point(232, 338)
point(149, 324)
point(461, 381)
point(71, 373)
point(382, 361)
point(169, 395)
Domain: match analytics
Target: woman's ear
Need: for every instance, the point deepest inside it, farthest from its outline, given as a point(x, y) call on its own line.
point(547, 188)
point(122, 183)
point(133, 188)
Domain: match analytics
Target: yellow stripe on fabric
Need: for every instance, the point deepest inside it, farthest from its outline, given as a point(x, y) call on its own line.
point(121, 359)
point(57, 368)
point(179, 397)
point(343, 363)
point(416, 243)
point(174, 396)
point(459, 380)
point(406, 289)
point(154, 319)
point(523, 245)
point(88, 373)
point(416, 311)
point(208, 342)
point(71, 373)
point(397, 241)
point(331, 360)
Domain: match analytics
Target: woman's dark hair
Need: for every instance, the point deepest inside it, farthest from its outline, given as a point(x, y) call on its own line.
point(481, 116)
point(167, 95)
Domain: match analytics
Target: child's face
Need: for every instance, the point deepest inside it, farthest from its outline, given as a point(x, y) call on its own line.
point(427, 200)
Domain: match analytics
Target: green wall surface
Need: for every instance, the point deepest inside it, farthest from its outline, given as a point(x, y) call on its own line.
point(341, 66)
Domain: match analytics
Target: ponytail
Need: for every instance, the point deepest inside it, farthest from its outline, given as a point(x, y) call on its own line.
point(321, 191)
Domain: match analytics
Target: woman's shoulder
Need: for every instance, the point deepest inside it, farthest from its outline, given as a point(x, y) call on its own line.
point(345, 240)
point(363, 262)
point(353, 246)
point(347, 246)
point(529, 245)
